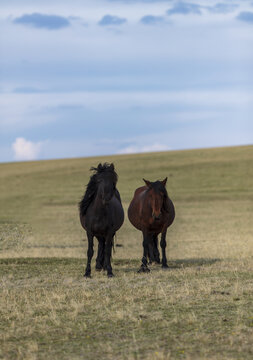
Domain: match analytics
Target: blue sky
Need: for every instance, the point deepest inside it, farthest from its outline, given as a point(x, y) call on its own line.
point(98, 77)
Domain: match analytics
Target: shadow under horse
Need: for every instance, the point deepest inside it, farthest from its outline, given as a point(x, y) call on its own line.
point(152, 212)
point(101, 215)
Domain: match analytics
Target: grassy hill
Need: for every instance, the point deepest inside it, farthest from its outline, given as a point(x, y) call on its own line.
point(200, 308)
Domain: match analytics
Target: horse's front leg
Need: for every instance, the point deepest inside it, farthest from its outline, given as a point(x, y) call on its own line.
point(108, 253)
point(163, 246)
point(150, 253)
point(90, 253)
point(101, 254)
point(144, 265)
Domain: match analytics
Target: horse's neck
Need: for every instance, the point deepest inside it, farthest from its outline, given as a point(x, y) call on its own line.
point(98, 205)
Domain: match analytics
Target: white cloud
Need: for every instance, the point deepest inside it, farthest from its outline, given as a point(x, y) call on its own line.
point(133, 149)
point(184, 76)
point(25, 149)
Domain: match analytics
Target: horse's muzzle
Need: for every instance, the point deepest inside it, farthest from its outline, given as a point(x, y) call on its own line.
point(155, 217)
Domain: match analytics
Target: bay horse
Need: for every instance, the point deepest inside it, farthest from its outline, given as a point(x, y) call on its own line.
point(101, 215)
point(152, 212)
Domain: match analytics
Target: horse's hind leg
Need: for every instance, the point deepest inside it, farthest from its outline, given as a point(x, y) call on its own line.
point(144, 265)
point(163, 246)
point(101, 254)
point(90, 253)
point(156, 250)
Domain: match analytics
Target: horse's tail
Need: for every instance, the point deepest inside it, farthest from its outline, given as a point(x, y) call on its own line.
point(113, 247)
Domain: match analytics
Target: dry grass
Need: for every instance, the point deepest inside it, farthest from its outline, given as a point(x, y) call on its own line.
point(198, 309)
point(201, 308)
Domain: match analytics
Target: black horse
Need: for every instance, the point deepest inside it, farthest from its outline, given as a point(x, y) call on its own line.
point(101, 215)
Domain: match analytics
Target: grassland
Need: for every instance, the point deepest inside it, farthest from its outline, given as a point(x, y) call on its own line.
point(201, 308)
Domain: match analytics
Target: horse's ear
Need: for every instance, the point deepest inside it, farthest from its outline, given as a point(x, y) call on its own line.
point(112, 166)
point(164, 181)
point(148, 183)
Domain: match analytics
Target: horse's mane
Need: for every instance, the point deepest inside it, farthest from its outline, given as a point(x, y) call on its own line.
point(91, 188)
point(158, 186)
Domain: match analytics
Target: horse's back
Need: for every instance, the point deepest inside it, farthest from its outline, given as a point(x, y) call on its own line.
point(138, 196)
point(135, 207)
point(140, 190)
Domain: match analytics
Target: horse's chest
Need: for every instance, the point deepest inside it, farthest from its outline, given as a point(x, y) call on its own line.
point(98, 224)
point(155, 225)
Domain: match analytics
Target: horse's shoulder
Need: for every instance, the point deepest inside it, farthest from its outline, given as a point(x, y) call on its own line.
point(169, 207)
point(169, 201)
point(117, 195)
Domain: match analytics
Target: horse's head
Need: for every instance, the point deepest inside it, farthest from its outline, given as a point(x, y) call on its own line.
point(157, 195)
point(106, 179)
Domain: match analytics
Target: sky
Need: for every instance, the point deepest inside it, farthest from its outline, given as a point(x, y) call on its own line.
point(97, 77)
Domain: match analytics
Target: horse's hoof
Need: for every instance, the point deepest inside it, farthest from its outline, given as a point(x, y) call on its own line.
point(165, 266)
point(98, 268)
point(143, 270)
point(110, 275)
point(87, 276)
